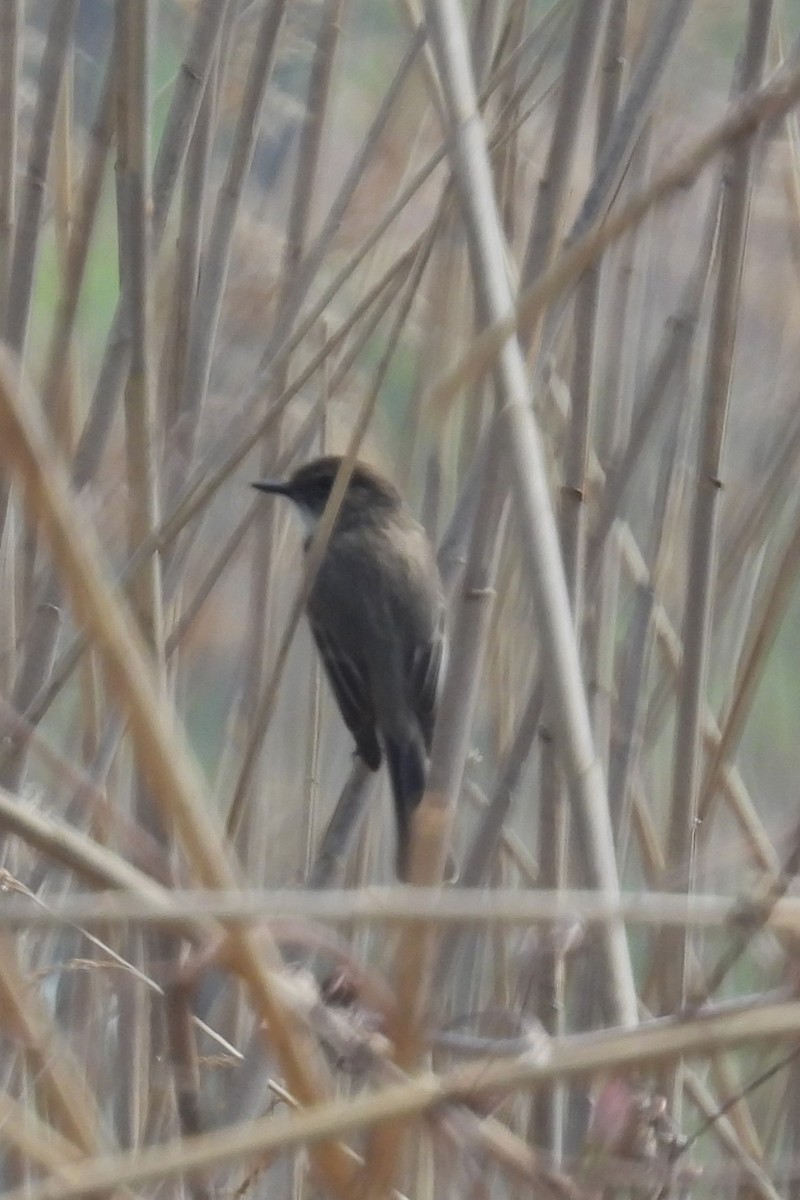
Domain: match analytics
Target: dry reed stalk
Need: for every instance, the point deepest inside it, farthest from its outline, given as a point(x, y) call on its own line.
point(10, 30)
point(75, 255)
point(741, 122)
point(571, 1057)
point(665, 23)
point(88, 793)
point(753, 528)
point(519, 439)
point(729, 1101)
point(184, 106)
point(447, 295)
point(34, 1139)
point(748, 1156)
point(330, 855)
point(57, 1075)
point(629, 732)
point(548, 1117)
point(523, 448)
point(28, 224)
point(35, 665)
point(675, 346)
point(16, 303)
point(698, 607)
point(181, 426)
point(65, 416)
point(506, 159)
point(171, 773)
point(295, 449)
point(433, 819)
point(313, 763)
point(733, 787)
point(735, 794)
point(764, 629)
point(378, 905)
point(144, 1043)
point(206, 483)
point(310, 258)
point(582, 381)
point(624, 613)
point(509, 772)
point(207, 304)
point(199, 494)
point(578, 66)
point(253, 719)
point(132, 38)
point(266, 701)
point(274, 355)
point(98, 865)
point(547, 1123)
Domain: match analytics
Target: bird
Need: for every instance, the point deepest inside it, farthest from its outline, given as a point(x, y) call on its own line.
point(376, 610)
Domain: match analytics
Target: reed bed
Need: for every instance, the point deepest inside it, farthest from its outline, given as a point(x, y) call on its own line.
point(538, 261)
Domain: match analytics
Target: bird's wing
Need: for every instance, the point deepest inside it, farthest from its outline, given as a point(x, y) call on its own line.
point(351, 689)
point(426, 675)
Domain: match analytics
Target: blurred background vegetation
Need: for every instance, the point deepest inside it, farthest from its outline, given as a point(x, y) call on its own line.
point(200, 297)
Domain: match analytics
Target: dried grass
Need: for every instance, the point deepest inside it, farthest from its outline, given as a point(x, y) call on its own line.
point(565, 326)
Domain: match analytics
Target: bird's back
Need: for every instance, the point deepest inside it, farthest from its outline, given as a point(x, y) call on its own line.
point(378, 600)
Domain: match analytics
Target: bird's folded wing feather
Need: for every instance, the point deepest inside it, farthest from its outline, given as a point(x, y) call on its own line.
point(351, 690)
point(427, 670)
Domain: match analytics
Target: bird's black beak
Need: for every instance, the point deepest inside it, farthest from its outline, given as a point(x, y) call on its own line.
point(275, 486)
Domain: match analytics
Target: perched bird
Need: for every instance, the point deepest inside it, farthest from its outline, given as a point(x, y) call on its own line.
point(376, 611)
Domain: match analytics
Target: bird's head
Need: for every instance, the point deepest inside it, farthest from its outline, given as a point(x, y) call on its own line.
point(309, 487)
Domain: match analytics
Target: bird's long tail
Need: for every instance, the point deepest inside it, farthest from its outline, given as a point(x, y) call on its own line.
point(407, 770)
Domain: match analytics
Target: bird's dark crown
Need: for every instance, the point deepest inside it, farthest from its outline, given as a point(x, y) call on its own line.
point(310, 485)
